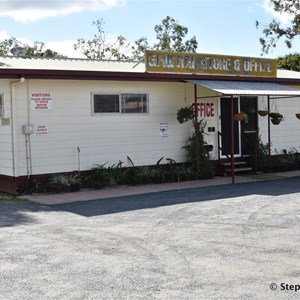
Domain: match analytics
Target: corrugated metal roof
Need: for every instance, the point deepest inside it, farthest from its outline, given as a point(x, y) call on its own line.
point(73, 64)
point(247, 88)
point(287, 74)
point(36, 63)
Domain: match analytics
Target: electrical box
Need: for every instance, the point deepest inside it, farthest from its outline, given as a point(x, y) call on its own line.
point(28, 129)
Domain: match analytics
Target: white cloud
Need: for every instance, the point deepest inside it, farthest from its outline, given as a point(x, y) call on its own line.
point(33, 10)
point(282, 17)
point(4, 35)
point(64, 47)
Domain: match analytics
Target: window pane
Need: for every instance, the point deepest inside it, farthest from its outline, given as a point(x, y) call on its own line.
point(106, 104)
point(134, 103)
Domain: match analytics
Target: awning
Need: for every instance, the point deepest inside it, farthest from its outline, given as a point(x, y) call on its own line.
point(247, 88)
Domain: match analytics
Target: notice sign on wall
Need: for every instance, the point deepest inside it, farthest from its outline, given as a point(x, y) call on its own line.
point(163, 130)
point(41, 130)
point(41, 101)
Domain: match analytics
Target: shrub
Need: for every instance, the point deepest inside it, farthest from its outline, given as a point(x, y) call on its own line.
point(262, 155)
point(205, 164)
point(64, 183)
point(102, 176)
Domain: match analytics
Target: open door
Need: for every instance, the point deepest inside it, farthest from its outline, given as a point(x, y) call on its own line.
point(245, 134)
point(226, 127)
point(248, 104)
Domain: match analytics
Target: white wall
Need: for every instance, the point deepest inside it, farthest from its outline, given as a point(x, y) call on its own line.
point(6, 157)
point(286, 134)
point(205, 97)
point(110, 138)
point(101, 138)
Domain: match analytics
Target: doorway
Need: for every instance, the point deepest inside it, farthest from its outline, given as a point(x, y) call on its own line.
point(226, 126)
point(244, 133)
point(249, 130)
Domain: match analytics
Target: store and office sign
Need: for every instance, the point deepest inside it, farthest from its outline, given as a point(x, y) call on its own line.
point(194, 63)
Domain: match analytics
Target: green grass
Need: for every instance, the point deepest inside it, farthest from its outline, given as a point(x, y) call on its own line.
point(5, 197)
point(265, 176)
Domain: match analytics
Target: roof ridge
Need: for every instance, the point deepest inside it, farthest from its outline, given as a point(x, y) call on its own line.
point(68, 59)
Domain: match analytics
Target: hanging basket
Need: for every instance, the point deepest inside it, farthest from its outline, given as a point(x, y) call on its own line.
point(276, 121)
point(275, 115)
point(263, 113)
point(298, 116)
point(240, 117)
point(185, 114)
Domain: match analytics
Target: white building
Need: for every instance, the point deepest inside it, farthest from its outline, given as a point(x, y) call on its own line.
point(67, 114)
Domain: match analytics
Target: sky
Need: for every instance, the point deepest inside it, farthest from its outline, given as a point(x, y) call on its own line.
point(225, 27)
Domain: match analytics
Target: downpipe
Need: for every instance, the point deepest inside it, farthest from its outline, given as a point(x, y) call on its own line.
point(14, 124)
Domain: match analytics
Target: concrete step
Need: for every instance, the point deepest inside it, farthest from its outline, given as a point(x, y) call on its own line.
point(236, 163)
point(237, 170)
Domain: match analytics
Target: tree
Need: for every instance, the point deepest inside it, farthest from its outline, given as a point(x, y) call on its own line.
point(170, 36)
point(15, 47)
point(100, 48)
point(6, 46)
point(289, 62)
point(196, 146)
point(38, 50)
point(275, 31)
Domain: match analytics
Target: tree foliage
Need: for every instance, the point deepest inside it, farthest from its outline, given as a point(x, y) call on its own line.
point(170, 36)
point(289, 62)
point(6, 46)
point(275, 30)
point(12, 46)
point(100, 48)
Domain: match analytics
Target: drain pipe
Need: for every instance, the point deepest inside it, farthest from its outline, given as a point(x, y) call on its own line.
point(14, 124)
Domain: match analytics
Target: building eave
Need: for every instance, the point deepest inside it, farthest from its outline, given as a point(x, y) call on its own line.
point(130, 76)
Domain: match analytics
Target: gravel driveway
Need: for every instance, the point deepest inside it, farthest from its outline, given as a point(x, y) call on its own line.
point(225, 242)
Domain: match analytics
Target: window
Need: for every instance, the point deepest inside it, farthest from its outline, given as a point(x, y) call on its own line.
point(134, 103)
point(1, 106)
point(120, 103)
point(106, 103)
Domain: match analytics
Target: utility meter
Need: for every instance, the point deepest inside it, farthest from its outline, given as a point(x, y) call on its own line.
point(28, 129)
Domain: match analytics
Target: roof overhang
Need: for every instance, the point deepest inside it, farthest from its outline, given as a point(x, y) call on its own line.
point(241, 88)
point(13, 73)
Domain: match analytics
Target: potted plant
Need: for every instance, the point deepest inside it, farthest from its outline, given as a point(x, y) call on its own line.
point(276, 117)
point(185, 114)
point(242, 116)
point(263, 113)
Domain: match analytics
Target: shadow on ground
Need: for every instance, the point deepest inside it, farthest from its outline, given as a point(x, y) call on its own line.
point(16, 212)
point(153, 200)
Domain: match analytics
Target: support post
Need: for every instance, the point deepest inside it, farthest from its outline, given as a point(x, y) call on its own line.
point(232, 140)
point(269, 133)
point(196, 132)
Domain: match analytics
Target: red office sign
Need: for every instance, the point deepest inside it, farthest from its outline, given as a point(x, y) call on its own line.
point(204, 109)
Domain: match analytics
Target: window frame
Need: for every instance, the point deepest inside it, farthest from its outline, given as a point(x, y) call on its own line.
point(121, 102)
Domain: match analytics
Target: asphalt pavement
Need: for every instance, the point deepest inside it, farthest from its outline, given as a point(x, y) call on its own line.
point(219, 242)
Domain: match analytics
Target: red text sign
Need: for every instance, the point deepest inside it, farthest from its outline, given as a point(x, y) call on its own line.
point(206, 110)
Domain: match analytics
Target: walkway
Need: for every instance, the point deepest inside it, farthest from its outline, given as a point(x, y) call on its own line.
point(127, 190)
